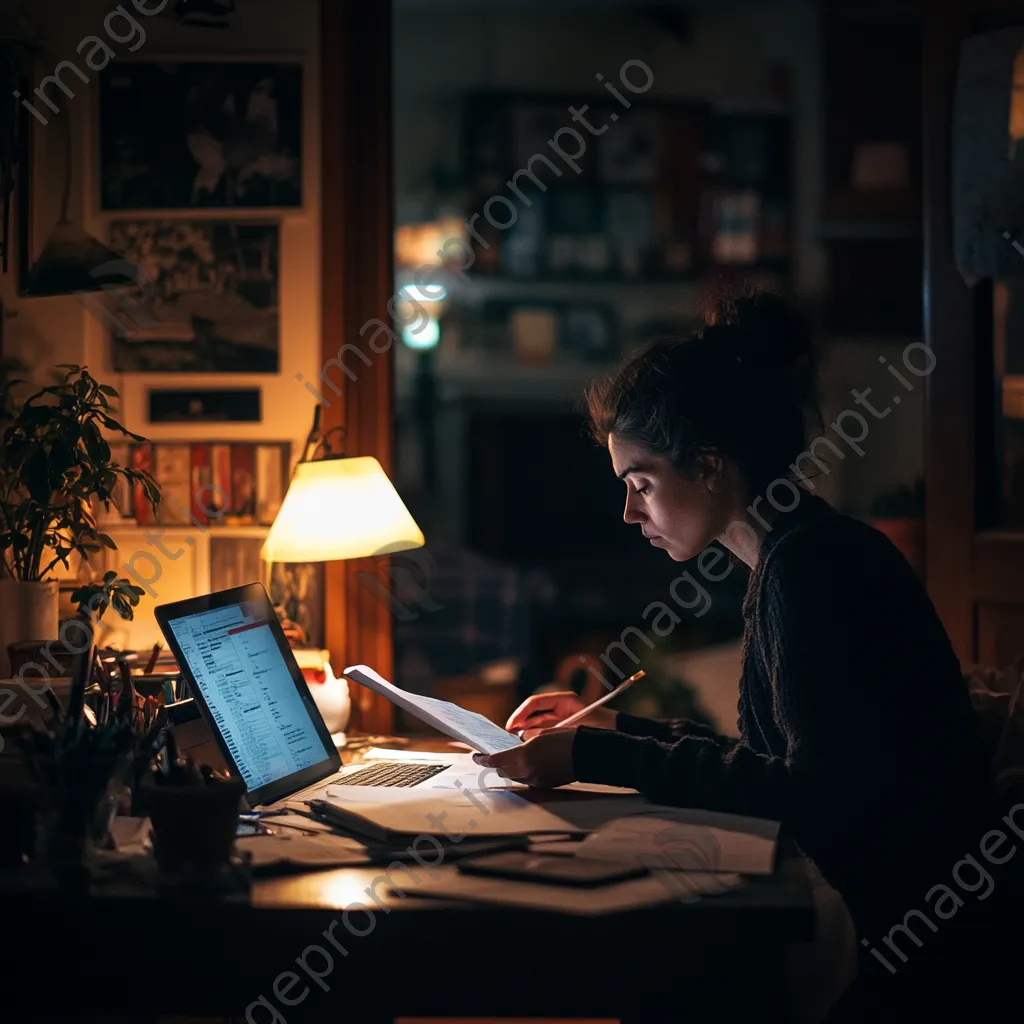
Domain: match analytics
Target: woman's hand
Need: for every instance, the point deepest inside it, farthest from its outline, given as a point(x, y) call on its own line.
point(543, 762)
point(542, 711)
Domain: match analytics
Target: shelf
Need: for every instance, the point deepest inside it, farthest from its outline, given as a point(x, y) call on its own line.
point(557, 288)
point(130, 528)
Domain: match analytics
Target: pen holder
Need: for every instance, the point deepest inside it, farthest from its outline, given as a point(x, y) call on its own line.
point(193, 825)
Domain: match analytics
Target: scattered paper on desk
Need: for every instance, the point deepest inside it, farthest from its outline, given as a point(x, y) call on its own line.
point(632, 894)
point(686, 840)
point(316, 851)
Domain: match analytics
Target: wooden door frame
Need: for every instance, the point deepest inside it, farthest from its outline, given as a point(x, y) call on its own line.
point(357, 286)
point(964, 566)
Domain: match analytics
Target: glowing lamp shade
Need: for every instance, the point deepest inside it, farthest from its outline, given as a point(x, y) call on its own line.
point(340, 508)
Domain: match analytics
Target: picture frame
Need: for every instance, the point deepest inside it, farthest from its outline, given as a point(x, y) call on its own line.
point(208, 298)
point(235, 143)
point(205, 405)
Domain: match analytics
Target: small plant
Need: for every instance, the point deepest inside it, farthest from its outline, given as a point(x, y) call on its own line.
point(93, 599)
point(54, 465)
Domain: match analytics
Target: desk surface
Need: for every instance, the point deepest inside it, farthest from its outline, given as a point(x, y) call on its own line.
point(407, 956)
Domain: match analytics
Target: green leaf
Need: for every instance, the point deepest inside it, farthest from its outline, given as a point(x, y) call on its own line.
point(106, 541)
point(108, 390)
point(110, 575)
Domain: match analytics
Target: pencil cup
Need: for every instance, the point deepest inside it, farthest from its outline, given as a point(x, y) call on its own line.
point(194, 826)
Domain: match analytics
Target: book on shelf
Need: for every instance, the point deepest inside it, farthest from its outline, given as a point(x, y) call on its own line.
point(242, 510)
point(269, 482)
point(142, 461)
point(202, 478)
point(220, 464)
point(173, 473)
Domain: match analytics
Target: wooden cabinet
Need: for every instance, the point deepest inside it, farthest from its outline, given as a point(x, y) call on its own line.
point(974, 525)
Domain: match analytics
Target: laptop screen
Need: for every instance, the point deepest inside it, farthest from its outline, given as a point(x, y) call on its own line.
point(253, 692)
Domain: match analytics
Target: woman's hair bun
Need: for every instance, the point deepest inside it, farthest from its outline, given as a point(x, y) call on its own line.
point(760, 331)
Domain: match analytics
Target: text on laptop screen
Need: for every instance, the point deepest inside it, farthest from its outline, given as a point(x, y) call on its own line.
point(248, 688)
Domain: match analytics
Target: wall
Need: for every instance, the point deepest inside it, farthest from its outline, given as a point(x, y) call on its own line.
point(55, 330)
point(46, 331)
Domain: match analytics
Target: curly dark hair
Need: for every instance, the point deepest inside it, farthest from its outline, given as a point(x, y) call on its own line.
point(740, 387)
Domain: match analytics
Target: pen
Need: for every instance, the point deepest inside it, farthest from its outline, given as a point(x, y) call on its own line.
point(583, 712)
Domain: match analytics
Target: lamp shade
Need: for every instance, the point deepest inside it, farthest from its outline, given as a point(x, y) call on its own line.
point(340, 508)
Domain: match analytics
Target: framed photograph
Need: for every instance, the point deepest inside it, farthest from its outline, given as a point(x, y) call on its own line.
point(190, 134)
point(207, 298)
point(201, 405)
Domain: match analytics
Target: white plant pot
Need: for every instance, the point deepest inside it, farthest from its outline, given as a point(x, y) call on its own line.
point(28, 611)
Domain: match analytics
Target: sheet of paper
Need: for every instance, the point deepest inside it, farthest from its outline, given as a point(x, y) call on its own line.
point(319, 851)
point(649, 891)
point(480, 733)
point(417, 756)
point(686, 840)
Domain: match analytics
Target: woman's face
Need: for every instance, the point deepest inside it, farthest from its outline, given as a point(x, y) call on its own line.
point(680, 515)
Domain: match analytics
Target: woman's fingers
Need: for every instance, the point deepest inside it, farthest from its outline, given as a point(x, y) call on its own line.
point(509, 763)
point(553, 706)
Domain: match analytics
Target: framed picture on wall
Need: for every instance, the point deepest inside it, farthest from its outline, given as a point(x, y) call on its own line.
point(206, 301)
point(186, 134)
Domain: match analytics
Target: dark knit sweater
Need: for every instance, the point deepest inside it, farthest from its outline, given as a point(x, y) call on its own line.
point(857, 730)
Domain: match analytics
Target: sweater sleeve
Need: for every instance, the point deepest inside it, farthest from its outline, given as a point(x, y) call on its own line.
point(810, 640)
point(665, 730)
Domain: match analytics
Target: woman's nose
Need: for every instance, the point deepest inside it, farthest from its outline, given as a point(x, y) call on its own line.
point(632, 512)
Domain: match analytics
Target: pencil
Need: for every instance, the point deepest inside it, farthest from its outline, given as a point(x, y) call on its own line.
point(624, 685)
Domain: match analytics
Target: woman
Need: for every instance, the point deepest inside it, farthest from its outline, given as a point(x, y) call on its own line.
point(856, 728)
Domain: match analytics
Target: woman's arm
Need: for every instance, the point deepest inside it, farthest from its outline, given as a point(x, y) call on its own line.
point(667, 730)
point(826, 709)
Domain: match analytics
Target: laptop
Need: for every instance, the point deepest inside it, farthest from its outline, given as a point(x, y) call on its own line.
point(232, 651)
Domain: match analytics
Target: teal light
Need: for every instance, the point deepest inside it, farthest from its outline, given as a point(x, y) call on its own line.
point(428, 335)
point(430, 293)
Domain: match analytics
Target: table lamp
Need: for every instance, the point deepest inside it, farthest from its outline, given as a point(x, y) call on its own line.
point(337, 506)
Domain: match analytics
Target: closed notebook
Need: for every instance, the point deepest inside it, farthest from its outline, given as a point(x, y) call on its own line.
point(399, 814)
point(389, 815)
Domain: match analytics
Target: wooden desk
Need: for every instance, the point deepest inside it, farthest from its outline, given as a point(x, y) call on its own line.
point(723, 956)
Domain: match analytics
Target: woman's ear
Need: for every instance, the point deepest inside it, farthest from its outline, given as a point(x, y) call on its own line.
point(711, 469)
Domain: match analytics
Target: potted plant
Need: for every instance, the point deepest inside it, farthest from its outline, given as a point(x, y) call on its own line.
point(55, 469)
point(899, 514)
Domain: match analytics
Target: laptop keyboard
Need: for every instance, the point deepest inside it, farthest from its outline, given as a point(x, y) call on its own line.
point(391, 774)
